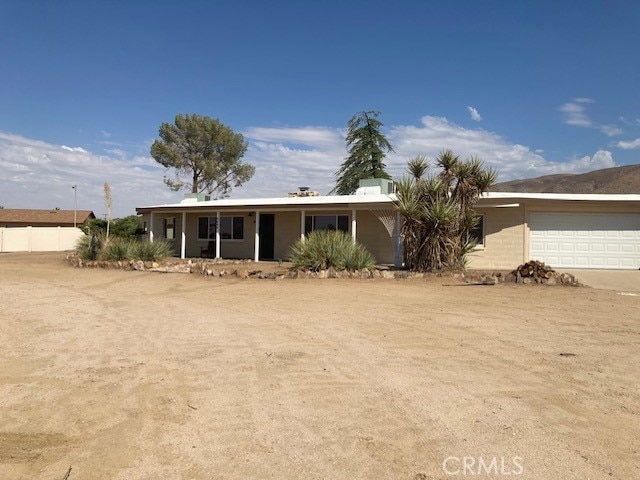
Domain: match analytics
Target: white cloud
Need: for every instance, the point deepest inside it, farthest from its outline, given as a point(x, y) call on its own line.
point(629, 144)
point(610, 130)
point(105, 134)
point(474, 114)
point(575, 114)
point(36, 174)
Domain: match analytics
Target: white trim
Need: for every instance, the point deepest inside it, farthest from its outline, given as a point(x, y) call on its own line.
point(356, 200)
point(303, 218)
point(256, 245)
point(183, 236)
point(353, 225)
point(218, 232)
point(150, 227)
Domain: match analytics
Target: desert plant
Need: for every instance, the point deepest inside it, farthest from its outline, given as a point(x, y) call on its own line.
point(149, 251)
point(118, 249)
point(83, 245)
point(323, 249)
point(438, 213)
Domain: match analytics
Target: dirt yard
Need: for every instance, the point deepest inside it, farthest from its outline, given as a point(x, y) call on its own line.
point(138, 375)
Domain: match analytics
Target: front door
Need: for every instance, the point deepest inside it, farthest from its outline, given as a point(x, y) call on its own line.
point(266, 233)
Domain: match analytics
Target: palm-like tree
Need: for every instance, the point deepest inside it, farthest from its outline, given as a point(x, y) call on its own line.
point(437, 211)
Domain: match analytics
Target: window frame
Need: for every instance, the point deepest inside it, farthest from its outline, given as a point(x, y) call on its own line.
point(165, 228)
point(212, 234)
point(337, 222)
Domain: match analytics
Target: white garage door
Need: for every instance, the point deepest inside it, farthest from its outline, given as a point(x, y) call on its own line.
point(586, 240)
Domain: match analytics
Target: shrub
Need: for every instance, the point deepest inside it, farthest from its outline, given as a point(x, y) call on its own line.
point(330, 248)
point(149, 251)
point(118, 249)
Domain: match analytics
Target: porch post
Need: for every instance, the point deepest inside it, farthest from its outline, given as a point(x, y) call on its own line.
point(353, 225)
point(217, 235)
point(256, 244)
point(183, 246)
point(151, 227)
point(302, 223)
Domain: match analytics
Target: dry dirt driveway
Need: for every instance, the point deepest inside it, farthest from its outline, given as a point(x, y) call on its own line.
point(134, 375)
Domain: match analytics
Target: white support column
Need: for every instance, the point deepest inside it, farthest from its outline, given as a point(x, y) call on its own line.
point(183, 237)
point(302, 223)
point(353, 225)
point(151, 227)
point(256, 246)
point(218, 235)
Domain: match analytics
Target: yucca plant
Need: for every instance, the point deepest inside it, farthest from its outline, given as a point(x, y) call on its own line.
point(437, 211)
point(150, 251)
point(118, 249)
point(323, 249)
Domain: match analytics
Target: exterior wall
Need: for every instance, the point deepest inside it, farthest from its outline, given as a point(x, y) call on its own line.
point(287, 232)
point(38, 239)
point(371, 233)
point(504, 239)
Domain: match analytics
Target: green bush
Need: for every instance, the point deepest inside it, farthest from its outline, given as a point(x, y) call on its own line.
point(330, 248)
point(149, 251)
point(119, 248)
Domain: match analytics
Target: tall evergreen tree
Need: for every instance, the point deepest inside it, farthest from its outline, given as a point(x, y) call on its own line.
point(367, 147)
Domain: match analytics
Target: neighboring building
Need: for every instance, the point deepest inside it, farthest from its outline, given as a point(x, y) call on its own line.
point(26, 230)
point(23, 217)
point(563, 230)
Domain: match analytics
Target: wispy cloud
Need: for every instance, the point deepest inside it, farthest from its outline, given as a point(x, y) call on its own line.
point(474, 114)
point(575, 114)
point(105, 134)
point(28, 166)
point(629, 144)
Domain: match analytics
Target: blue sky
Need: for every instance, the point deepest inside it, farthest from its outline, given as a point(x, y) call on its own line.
point(532, 87)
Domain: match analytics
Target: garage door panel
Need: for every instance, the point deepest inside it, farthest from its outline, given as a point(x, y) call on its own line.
point(590, 240)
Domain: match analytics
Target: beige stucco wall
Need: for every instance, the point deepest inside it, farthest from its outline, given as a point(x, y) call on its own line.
point(38, 239)
point(504, 234)
point(371, 233)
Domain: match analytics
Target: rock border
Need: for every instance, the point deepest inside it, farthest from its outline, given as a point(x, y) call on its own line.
point(246, 269)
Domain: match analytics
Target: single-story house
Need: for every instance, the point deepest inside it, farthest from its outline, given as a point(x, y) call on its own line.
point(563, 230)
point(28, 230)
point(24, 217)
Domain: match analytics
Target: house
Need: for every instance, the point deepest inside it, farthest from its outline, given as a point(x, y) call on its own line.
point(563, 230)
point(27, 230)
point(22, 217)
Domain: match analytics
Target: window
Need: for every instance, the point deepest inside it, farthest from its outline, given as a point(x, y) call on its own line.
point(326, 222)
point(477, 233)
point(169, 228)
point(231, 228)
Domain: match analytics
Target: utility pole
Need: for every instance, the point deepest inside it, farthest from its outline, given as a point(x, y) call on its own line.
point(75, 205)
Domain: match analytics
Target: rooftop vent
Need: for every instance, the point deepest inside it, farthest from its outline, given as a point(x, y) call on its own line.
point(375, 186)
point(196, 197)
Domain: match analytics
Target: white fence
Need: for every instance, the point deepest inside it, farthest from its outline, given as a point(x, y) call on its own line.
point(38, 239)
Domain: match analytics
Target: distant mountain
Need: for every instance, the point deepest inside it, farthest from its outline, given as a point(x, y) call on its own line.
point(609, 180)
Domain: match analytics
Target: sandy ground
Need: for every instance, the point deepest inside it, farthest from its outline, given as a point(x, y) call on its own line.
point(136, 375)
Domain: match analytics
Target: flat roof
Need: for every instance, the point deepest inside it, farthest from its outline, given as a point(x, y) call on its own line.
point(380, 199)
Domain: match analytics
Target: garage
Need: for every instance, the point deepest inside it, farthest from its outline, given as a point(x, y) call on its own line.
point(586, 240)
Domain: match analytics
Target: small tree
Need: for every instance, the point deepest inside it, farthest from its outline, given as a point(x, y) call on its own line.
point(438, 212)
point(367, 147)
point(204, 153)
